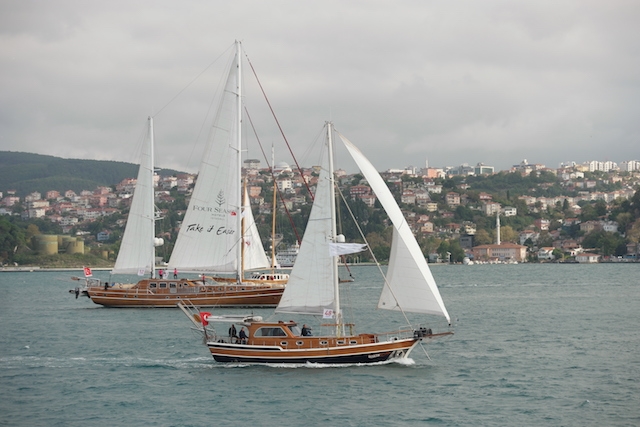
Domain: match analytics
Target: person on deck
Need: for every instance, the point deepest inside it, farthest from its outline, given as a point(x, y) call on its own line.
point(243, 336)
point(306, 331)
point(233, 334)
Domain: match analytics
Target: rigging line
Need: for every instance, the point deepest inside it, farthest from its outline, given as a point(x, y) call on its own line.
point(425, 350)
point(273, 177)
point(384, 276)
point(191, 82)
point(279, 127)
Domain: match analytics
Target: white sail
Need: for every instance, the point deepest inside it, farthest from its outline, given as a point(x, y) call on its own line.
point(410, 284)
point(311, 284)
point(254, 256)
point(137, 250)
point(209, 238)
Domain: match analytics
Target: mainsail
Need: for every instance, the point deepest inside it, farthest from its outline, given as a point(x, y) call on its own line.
point(209, 239)
point(310, 289)
point(137, 250)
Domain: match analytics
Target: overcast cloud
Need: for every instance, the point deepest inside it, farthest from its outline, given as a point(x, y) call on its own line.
point(449, 81)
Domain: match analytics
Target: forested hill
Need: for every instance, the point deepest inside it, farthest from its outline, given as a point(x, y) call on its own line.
point(28, 172)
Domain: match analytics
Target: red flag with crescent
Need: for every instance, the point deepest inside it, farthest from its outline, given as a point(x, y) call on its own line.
point(204, 317)
point(87, 272)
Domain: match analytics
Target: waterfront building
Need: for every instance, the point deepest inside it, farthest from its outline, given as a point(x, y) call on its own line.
point(501, 252)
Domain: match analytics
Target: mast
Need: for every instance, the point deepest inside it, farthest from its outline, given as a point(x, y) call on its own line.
point(152, 241)
point(333, 237)
point(498, 227)
point(238, 141)
point(273, 213)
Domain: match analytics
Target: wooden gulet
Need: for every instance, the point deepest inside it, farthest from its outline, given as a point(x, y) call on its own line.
point(283, 342)
point(313, 289)
point(211, 240)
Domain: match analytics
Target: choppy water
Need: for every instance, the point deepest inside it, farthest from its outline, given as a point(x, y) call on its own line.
point(555, 345)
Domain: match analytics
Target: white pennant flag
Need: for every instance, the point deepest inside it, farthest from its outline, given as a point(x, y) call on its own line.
point(337, 249)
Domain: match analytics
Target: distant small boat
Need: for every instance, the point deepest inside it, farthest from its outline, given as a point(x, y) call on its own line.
point(286, 257)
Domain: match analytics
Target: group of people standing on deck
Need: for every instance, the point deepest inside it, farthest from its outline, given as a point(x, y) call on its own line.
point(238, 338)
point(162, 274)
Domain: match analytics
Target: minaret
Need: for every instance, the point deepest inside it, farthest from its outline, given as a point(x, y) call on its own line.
point(498, 227)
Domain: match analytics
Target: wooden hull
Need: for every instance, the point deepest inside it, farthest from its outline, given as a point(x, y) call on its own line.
point(347, 353)
point(143, 294)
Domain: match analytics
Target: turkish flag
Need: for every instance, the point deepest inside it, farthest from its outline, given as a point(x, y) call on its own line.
point(87, 272)
point(204, 316)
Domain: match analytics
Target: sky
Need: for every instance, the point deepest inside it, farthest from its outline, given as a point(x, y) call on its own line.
point(408, 82)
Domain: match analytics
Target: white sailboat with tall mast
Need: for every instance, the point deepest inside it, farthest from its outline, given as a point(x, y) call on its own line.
point(314, 290)
point(218, 235)
point(212, 238)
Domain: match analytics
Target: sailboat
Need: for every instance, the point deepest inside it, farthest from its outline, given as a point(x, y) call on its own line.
point(218, 235)
point(212, 238)
point(314, 289)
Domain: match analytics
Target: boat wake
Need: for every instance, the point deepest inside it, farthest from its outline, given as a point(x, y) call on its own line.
point(311, 365)
point(18, 362)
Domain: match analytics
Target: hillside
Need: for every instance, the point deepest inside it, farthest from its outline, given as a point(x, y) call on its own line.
point(28, 172)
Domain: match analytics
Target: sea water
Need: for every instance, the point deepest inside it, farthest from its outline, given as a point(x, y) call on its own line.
point(552, 345)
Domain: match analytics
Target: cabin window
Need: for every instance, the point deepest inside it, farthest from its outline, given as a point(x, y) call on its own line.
point(324, 342)
point(353, 342)
point(172, 285)
point(340, 342)
point(283, 343)
point(295, 330)
point(299, 342)
point(270, 332)
point(152, 285)
point(163, 285)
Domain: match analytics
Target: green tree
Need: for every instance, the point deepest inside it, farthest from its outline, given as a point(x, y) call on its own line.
point(507, 234)
point(605, 242)
point(443, 250)
point(558, 254)
point(482, 237)
point(12, 238)
point(457, 253)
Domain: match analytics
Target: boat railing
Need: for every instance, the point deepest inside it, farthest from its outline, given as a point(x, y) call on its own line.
point(414, 331)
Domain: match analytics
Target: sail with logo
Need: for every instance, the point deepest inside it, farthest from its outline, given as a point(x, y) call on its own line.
point(218, 234)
